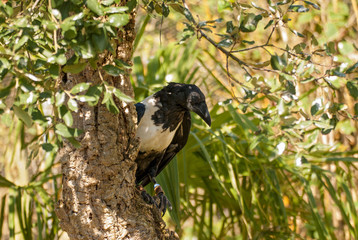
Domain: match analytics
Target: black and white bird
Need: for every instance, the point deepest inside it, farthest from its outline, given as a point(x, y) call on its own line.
point(164, 123)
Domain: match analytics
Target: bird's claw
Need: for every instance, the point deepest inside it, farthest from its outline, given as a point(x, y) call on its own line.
point(163, 200)
point(146, 196)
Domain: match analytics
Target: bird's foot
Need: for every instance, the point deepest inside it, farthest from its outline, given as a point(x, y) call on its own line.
point(163, 200)
point(146, 196)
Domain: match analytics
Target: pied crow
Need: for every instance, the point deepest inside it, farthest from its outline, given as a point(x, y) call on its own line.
point(164, 123)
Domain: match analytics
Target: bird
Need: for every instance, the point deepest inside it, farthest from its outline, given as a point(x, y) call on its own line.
point(163, 127)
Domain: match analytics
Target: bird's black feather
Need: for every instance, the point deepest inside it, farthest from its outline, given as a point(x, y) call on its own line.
point(140, 107)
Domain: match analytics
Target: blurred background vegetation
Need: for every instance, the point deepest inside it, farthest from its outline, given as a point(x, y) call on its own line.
point(280, 160)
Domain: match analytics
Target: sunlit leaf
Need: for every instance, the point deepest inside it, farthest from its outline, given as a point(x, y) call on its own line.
point(120, 95)
point(118, 20)
point(278, 62)
point(60, 98)
point(80, 87)
point(116, 9)
point(314, 5)
point(67, 132)
point(250, 22)
point(23, 115)
point(72, 105)
point(95, 7)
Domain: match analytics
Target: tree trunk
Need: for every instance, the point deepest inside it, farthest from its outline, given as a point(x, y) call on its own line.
point(99, 198)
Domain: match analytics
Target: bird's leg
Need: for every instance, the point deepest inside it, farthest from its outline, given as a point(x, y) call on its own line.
point(163, 200)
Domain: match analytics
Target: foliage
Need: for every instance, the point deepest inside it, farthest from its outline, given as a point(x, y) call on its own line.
point(269, 167)
point(278, 162)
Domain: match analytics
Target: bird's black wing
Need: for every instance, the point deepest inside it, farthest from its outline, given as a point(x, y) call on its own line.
point(140, 107)
point(180, 138)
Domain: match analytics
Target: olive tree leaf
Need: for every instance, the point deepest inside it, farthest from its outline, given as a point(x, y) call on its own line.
point(22, 115)
point(118, 20)
point(95, 7)
point(113, 70)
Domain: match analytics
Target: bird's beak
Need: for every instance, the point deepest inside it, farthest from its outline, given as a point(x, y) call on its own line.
point(203, 112)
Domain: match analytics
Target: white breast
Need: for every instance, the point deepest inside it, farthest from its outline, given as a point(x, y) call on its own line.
point(152, 137)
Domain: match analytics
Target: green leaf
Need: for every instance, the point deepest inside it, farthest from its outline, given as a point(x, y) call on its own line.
point(131, 5)
point(74, 142)
point(341, 159)
point(61, 59)
point(165, 10)
point(60, 98)
point(110, 104)
point(33, 77)
point(278, 62)
point(6, 183)
point(116, 9)
point(316, 106)
point(353, 89)
point(100, 41)
point(121, 96)
point(48, 147)
point(223, 4)
point(68, 28)
point(66, 115)
point(5, 66)
point(72, 105)
point(118, 20)
point(251, 43)
point(75, 68)
point(336, 72)
point(22, 115)
point(313, 5)
point(113, 70)
point(67, 132)
point(107, 2)
point(229, 27)
point(297, 33)
point(2, 213)
point(54, 71)
point(6, 91)
point(80, 87)
point(225, 43)
point(9, 11)
point(21, 42)
point(188, 15)
point(249, 24)
point(323, 124)
point(122, 64)
point(85, 98)
point(298, 8)
point(94, 92)
point(87, 50)
point(351, 69)
point(268, 24)
point(28, 98)
point(11, 216)
point(95, 7)
point(330, 48)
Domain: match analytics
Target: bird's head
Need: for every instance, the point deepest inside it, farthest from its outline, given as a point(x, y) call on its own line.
point(191, 98)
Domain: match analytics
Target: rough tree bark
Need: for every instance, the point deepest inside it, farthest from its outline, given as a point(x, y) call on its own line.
point(99, 199)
